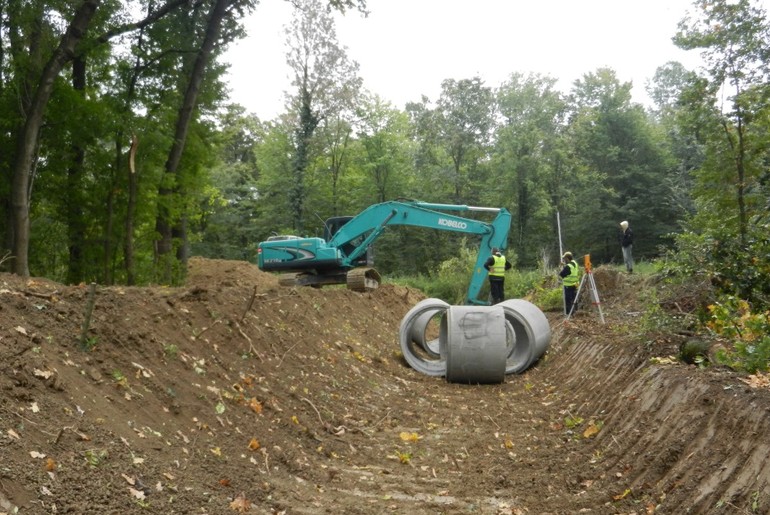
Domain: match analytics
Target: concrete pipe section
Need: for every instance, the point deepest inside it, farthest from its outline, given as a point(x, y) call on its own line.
point(419, 354)
point(475, 339)
point(420, 328)
point(532, 334)
point(476, 344)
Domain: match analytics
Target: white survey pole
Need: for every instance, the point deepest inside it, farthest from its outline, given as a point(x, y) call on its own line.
point(561, 253)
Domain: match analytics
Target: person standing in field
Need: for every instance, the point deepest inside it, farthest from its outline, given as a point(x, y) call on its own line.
point(496, 265)
point(627, 244)
point(569, 280)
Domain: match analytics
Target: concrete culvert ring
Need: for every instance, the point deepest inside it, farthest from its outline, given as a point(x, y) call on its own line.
point(476, 346)
point(420, 328)
point(532, 334)
point(419, 355)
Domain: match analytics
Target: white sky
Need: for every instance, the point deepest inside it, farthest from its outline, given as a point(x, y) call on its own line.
point(406, 48)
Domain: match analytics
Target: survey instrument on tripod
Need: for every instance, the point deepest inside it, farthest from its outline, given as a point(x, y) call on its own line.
point(588, 277)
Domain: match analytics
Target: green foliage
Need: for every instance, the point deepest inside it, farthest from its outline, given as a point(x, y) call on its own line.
point(748, 331)
point(171, 351)
point(615, 141)
point(450, 280)
point(547, 297)
point(717, 255)
point(655, 318)
point(89, 344)
point(592, 155)
point(527, 174)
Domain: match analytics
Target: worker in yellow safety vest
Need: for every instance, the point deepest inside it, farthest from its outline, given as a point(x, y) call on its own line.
point(570, 276)
point(496, 265)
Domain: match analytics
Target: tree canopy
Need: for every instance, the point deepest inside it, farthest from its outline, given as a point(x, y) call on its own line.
point(121, 155)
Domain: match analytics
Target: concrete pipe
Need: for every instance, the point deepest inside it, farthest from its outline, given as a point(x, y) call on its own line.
point(430, 362)
point(420, 327)
point(531, 334)
point(475, 339)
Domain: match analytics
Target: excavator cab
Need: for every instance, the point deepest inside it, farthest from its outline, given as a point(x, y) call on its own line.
point(333, 225)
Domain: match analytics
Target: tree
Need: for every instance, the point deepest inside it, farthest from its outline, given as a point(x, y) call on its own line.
point(21, 185)
point(734, 38)
point(169, 224)
point(730, 108)
point(75, 41)
point(228, 227)
point(326, 86)
point(668, 89)
point(614, 140)
point(525, 160)
point(464, 113)
point(383, 133)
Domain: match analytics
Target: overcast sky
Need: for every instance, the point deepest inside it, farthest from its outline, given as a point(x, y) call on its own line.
point(406, 48)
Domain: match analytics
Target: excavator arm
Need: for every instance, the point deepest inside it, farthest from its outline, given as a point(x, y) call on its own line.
point(371, 222)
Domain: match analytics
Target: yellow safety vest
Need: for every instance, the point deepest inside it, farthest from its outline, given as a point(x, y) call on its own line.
point(498, 268)
point(572, 278)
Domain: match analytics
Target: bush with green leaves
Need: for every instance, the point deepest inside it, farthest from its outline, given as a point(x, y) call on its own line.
point(547, 297)
point(451, 279)
point(736, 266)
point(749, 333)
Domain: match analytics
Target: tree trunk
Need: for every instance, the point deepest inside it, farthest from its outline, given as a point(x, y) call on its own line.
point(164, 224)
point(307, 125)
point(75, 222)
point(128, 245)
point(29, 137)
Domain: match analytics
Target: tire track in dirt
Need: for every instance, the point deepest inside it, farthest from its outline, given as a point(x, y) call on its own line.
point(674, 434)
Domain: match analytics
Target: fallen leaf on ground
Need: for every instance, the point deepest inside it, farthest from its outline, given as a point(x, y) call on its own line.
point(623, 495)
point(255, 405)
point(45, 374)
point(757, 380)
point(240, 504)
point(139, 494)
point(409, 437)
point(592, 430)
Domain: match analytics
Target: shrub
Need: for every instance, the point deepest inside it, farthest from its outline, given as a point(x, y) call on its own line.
point(451, 279)
point(748, 331)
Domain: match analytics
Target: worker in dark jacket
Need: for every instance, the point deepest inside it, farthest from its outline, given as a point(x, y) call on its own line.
point(569, 279)
point(627, 244)
point(496, 265)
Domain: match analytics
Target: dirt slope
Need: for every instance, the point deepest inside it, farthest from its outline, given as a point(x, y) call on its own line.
point(234, 395)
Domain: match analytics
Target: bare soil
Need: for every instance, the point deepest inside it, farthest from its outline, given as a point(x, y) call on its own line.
point(236, 395)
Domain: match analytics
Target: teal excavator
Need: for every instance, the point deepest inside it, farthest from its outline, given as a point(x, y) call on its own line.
point(344, 256)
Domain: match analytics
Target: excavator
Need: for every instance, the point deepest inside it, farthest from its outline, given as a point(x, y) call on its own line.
point(344, 254)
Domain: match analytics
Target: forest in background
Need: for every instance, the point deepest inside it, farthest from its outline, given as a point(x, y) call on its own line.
point(121, 155)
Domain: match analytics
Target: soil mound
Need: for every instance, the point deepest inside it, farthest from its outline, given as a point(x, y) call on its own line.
point(235, 395)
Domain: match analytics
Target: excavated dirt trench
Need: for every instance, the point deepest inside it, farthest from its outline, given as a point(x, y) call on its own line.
point(235, 395)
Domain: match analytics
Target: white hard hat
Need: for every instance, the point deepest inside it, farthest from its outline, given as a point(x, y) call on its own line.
point(624, 224)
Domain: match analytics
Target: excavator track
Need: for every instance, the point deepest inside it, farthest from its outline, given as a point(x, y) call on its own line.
point(363, 279)
point(287, 279)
